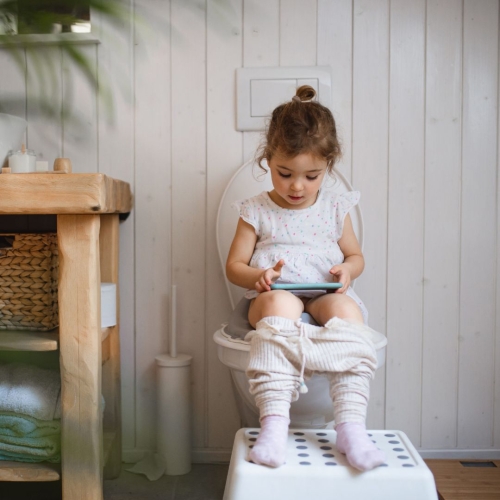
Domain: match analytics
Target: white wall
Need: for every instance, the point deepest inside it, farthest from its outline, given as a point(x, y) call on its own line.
point(415, 93)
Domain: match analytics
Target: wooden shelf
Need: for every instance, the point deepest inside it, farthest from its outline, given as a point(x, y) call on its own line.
point(63, 194)
point(87, 207)
point(21, 471)
point(26, 340)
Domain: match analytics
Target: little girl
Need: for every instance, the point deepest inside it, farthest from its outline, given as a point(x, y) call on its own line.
point(298, 234)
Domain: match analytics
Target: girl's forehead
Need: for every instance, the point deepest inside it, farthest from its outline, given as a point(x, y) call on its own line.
point(301, 162)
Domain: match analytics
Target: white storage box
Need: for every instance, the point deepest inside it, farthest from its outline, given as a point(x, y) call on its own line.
point(108, 305)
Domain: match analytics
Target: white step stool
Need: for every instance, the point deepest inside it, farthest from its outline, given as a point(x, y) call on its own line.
point(315, 470)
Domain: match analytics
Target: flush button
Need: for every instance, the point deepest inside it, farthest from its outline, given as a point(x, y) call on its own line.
point(260, 90)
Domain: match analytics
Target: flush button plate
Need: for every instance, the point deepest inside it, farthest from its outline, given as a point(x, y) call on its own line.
point(260, 90)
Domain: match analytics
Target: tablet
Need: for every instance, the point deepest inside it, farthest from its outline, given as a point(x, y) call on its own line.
point(306, 286)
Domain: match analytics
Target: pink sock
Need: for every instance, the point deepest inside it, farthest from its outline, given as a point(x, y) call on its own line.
point(361, 452)
point(270, 447)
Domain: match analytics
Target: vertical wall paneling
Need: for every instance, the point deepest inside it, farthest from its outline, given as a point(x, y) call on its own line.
point(116, 158)
point(261, 26)
point(442, 223)
point(478, 224)
point(152, 199)
point(298, 29)
point(370, 165)
point(44, 93)
point(189, 199)
point(79, 107)
point(335, 50)
point(13, 84)
point(224, 156)
point(261, 47)
point(406, 198)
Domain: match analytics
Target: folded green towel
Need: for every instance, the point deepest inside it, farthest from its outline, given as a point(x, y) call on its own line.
point(26, 439)
point(24, 457)
point(15, 424)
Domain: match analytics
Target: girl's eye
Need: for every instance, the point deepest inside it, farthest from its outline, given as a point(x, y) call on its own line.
point(284, 175)
point(312, 178)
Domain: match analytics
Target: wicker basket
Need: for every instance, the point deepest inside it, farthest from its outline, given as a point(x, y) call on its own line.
point(29, 266)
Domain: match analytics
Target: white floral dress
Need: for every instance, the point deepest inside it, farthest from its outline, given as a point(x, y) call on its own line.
point(306, 239)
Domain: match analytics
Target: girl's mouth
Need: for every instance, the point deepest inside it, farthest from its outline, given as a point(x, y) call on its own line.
point(295, 198)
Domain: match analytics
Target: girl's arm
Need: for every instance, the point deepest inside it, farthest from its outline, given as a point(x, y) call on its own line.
point(237, 269)
point(354, 262)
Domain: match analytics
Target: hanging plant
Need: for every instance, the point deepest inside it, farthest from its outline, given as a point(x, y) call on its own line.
point(27, 24)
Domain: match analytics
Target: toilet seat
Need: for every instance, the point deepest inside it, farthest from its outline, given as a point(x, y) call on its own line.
point(225, 340)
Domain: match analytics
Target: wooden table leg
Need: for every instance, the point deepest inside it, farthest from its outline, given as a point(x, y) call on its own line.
point(80, 356)
point(109, 247)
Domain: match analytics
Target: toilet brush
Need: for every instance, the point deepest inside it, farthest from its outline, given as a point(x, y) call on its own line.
point(173, 423)
point(174, 403)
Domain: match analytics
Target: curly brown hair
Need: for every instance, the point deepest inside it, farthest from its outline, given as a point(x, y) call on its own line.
point(301, 126)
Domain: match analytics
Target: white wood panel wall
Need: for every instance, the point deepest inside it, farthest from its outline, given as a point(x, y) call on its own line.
point(224, 36)
point(406, 203)
point(415, 92)
point(442, 224)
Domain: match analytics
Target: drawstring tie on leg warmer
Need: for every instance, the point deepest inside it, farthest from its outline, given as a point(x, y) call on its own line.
point(296, 334)
point(301, 342)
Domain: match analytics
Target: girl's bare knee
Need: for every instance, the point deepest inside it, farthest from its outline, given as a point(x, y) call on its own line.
point(275, 303)
point(348, 309)
point(331, 305)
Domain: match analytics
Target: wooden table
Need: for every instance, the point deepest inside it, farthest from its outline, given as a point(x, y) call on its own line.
point(87, 207)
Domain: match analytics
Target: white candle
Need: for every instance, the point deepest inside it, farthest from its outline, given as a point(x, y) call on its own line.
point(22, 161)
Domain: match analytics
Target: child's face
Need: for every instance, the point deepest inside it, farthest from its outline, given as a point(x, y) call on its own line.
point(296, 180)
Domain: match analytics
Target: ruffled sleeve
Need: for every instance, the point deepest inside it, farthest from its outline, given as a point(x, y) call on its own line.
point(343, 204)
point(247, 211)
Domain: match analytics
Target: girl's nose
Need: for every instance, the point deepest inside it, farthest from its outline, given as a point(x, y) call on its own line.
point(297, 186)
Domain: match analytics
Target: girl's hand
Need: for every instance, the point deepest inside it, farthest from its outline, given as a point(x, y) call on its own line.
point(268, 277)
point(342, 275)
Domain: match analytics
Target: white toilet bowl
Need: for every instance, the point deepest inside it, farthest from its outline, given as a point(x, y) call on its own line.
point(314, 409)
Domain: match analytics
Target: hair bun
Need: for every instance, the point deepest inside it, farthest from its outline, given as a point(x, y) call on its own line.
point(304, 93)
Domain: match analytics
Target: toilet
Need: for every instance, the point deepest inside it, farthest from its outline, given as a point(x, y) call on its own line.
point(314, 409)
point(320, 474)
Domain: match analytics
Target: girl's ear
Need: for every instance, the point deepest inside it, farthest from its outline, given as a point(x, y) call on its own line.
point(268, 160)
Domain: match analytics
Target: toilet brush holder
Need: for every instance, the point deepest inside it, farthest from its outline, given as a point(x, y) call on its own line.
point(174, 412)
